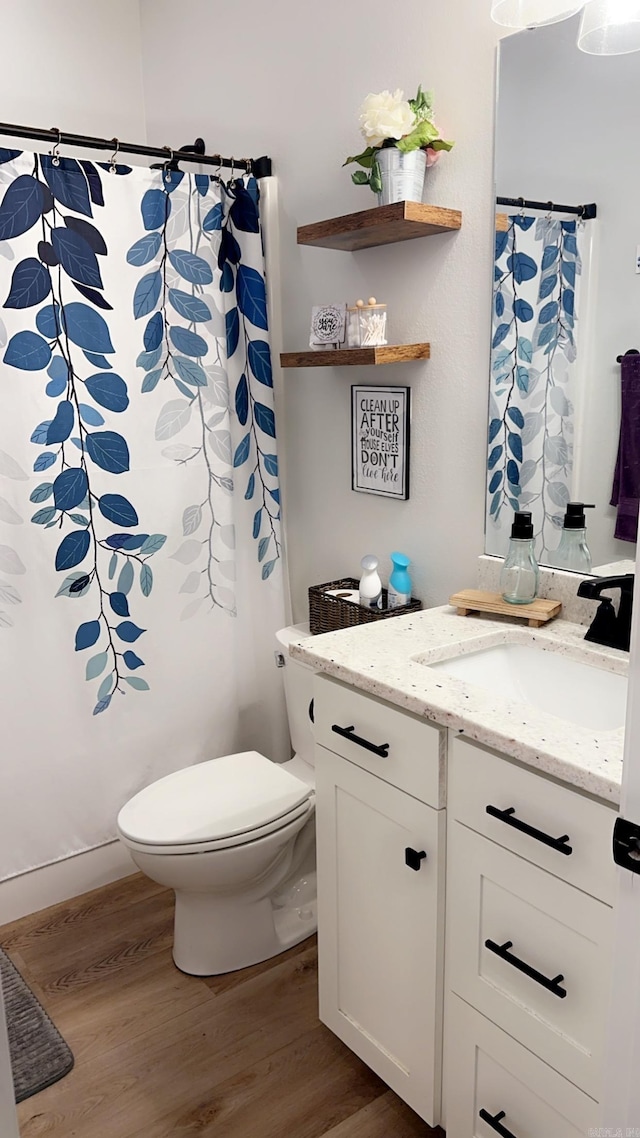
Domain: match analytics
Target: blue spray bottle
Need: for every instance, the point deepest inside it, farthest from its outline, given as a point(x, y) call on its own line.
point(399, 582)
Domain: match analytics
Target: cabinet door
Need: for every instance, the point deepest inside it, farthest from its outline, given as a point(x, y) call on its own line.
point(381, 928)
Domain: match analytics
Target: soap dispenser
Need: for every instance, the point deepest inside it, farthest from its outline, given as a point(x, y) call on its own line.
point(519, 576)
point(399, 592)
point(370, 591)
point(573, 551)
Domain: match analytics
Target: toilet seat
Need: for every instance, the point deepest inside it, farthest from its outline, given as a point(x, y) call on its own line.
point(218, 804)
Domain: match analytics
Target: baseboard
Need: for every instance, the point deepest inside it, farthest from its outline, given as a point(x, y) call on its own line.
point(30, 892)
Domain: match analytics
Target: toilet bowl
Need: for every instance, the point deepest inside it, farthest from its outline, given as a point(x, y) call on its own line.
point(234, 837)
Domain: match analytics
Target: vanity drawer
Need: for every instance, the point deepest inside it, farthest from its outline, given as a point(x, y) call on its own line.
point(489, 1072)
point(392, 744)
point(529, 952)
point(482, 785)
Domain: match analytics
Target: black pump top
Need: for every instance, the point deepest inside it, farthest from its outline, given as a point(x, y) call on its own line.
point(522, 528)
point(574, 517)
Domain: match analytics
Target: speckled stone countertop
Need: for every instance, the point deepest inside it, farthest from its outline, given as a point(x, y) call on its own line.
point(387, 659)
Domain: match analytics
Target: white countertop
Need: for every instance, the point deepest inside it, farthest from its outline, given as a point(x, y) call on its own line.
point(386, 659)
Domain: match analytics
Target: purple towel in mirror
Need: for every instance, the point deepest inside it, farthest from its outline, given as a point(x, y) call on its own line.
point(626, 480)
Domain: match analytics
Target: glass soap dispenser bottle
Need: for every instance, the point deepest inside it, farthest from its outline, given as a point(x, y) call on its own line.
point(573, 552)
point(519, 576)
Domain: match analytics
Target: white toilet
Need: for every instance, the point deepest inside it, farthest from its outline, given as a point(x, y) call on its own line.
point(235, 838)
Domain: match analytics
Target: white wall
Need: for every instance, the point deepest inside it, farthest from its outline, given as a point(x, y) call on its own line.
point(566, 133)
point(287, 79)
point(73, 64)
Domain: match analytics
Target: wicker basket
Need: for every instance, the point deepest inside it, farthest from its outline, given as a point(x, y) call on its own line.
point(326, 614)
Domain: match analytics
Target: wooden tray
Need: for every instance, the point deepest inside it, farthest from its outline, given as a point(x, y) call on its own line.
point(536, 614)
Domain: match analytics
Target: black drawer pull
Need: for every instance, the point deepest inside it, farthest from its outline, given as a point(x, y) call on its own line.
point(348, 733)
point(507, 816)
point(414, 858)
point(502, 950)
point(494, 1123)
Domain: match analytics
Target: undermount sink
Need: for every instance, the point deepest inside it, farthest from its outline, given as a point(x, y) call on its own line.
point(569, 689)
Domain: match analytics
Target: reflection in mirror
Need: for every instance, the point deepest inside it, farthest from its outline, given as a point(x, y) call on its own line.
point(564, 412)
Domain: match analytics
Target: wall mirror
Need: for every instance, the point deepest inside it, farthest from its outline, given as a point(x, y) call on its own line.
point(566, 296)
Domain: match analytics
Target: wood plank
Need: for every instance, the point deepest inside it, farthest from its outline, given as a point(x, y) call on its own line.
point(385, 1117)
point(502, 223)
point(359, 357)
point(382, 225)
point(536, 614)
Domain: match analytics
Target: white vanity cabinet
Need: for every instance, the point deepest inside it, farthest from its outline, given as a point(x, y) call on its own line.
point(530, 884)
point(380, 840)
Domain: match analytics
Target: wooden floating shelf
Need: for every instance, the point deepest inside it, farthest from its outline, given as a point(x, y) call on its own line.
point(477, 600)
point(342, 357)
point(383, 225)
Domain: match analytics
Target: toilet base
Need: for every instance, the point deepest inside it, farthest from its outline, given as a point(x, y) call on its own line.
point(213, 936)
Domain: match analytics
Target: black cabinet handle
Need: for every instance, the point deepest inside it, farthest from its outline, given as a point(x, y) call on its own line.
point(495, 1121)
point(414, 859)
point(508, 817)
point(502, 950)
point(348, 733)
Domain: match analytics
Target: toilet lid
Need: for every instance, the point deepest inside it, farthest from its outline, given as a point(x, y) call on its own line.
point(217, 799)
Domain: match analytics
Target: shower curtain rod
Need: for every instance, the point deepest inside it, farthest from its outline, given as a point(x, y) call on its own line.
point(584, 212)
point(259, 167)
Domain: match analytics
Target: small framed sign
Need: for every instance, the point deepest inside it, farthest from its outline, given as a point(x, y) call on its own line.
point(380, 429)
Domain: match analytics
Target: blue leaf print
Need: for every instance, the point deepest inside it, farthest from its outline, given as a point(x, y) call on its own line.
point(43, 517)
point(95, 297)
point(90, 417)
point(190, 371)
point(88, 232)
point(547, 285)
point(227, 281)
point(153, 332)
point(523, 311)
point(522, 266)
point(243, 212)
point(515, 446)
point(27, 351)
point(146, 580)
point(232, 323)
point(132, 661)
point(522, 378)
point(496, 480)
point(229, 249)
point(242, 405)
point(41, 492)
point(87, 635)
point(271, 464)
point(265, 419)
point(525, 349)
point(40, 433)
point(250, 488)
point(260, 361)
point(191, 307)
point(502, 239)
point(570, 243)
point(495, 427)
point(213, 219)
point(147, 293)
point(150, 381)
point(44, 461)
point(21, 206)
point(126, 578)
point(153, 543)
point(257, 522)
point(516, 416)
point(62, 423)
point(267, 569)
point(144, 250)
point(87, 328)
point(499, 304)
point(55, 387)
point(76, 256)
point(193, 268)
point(242, 452)
point(149, 360)
point(128, 541)
point(189, 343)
point(58, 369)
point(109, 390)
point(495, 455)
point(70, 488)
point(203, 182)
point(569, 272)
point(263, 546)
point(155, 208)
point(8, 155)
point(513, 473)
point(171, 179)
point(500, 334)
point(568, 297)
point(252, 297)
point(96, 360)
point(549, 312)
point(95, 184)
point(136, 682)
point(67, 183)
point(72, 549)
point(109, 451)
point(523, 222)
point(30, 284)
point(116, 508)
point(549, 257)
point(102, 705)
point(128, 631)
point(119, 604)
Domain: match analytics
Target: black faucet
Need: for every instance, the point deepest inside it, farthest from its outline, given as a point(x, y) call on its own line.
point(608, 628)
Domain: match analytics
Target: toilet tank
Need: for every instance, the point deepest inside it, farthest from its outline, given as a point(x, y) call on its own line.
point(298, 690)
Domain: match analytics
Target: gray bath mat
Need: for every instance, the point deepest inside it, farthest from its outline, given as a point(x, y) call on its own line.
point(39, 1054)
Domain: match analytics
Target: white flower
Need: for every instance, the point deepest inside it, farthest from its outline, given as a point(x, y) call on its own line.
point(385, 116)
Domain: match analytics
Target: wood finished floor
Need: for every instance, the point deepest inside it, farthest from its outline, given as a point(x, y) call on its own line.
point(163, 1055)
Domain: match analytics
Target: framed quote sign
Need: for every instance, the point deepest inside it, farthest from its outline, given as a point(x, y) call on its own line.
point(380, 428)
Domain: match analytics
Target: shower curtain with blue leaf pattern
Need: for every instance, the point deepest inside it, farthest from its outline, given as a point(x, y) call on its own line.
point(140, 550)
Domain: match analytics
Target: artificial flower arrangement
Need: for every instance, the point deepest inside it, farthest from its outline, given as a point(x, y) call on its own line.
point(391, 120)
